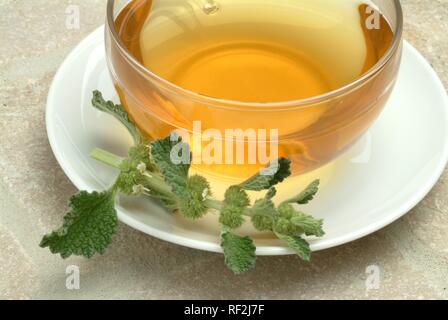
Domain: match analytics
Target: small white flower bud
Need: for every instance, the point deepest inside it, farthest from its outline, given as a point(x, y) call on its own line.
point(142, 168)
point(138, 190)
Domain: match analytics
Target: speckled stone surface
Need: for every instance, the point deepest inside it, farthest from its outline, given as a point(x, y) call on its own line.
point(412, 253)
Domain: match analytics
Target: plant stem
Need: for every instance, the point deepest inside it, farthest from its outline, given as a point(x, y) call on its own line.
point(154, 183)
point(106, 157)
point(214, 204)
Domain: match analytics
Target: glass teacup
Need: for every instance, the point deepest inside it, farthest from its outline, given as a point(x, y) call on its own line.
point(310, 131)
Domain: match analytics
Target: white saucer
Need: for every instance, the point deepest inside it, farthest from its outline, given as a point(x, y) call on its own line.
point(377, 181)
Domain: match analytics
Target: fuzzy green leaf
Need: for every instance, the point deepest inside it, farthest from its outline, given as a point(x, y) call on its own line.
point(309, 225)
point(306, 195)
point(235, 202)
point(296, 223)
point(236, 196)
point(88, 226)
point(194, 206)
point(299, 245)
point(117, 111)
point(275, 173)
point(133, 169)
point(139, 154)
point(264, 212)
point(173, 158)
point(239, 252)
point(129, 177)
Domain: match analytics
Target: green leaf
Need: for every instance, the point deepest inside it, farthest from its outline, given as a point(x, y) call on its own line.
point(129, 177)
point(299, 245)
point(239, 252)
point(295, 223)
point(275, 173)
point(309, 225)
point(194, 206)
point(173, 158)
point(117, 111)
point(88, 226)
point(134, 168)
point(139, 154)
point(235, 202)
point(237, 197)
point(264, 212)
point(306, 195)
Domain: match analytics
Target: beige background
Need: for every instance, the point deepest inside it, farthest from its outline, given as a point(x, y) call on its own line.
point(412, 253)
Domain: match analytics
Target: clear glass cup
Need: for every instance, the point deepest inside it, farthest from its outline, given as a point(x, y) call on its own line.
point(327, 124)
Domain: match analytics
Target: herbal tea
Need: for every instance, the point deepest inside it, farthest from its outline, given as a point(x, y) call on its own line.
point(253, 59)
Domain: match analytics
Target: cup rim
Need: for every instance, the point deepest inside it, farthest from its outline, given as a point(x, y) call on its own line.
point(234, 104)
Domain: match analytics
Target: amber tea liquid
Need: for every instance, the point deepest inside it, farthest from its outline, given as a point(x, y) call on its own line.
point(255, 51)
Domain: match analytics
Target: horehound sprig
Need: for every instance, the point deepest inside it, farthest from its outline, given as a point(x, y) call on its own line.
point(91, 220)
